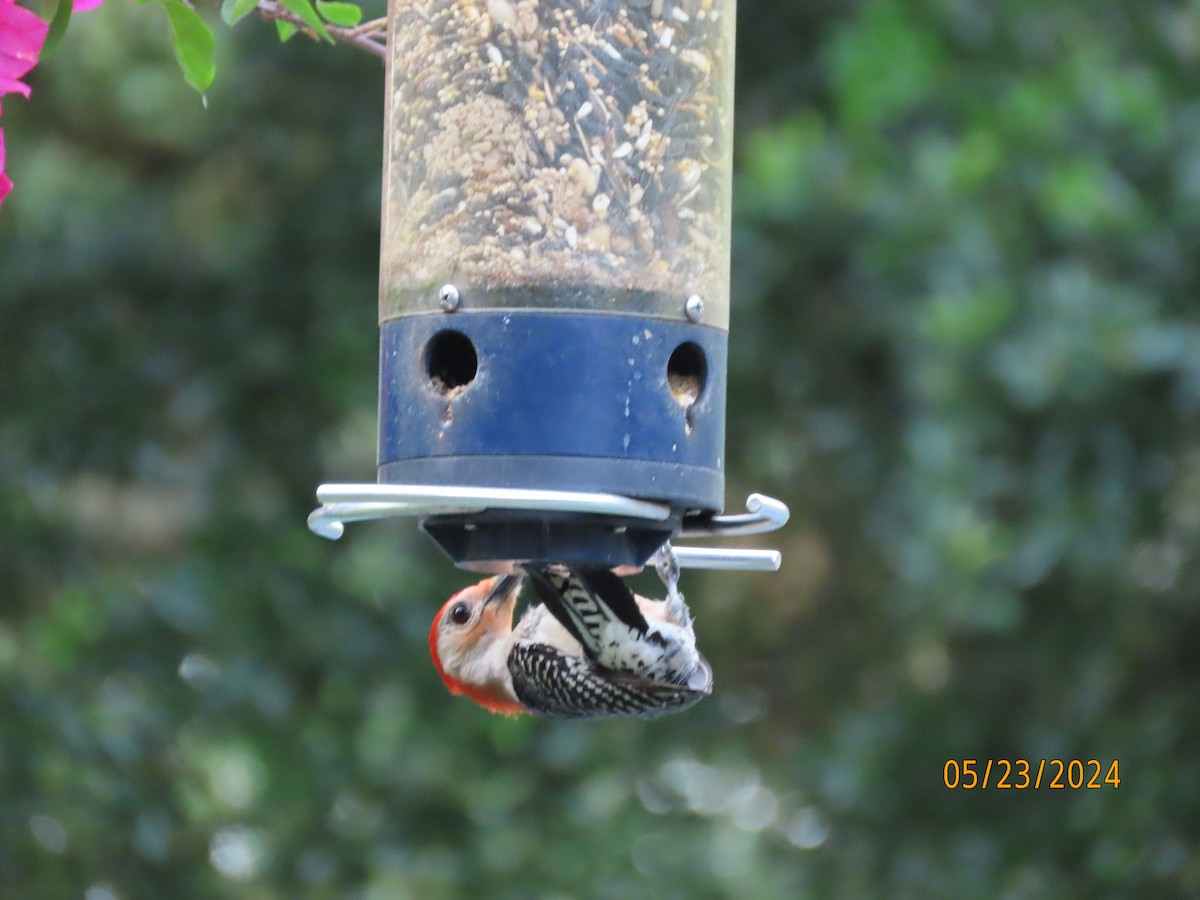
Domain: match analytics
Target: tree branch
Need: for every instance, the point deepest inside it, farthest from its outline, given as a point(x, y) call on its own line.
point(370, 36)
point(373, 39)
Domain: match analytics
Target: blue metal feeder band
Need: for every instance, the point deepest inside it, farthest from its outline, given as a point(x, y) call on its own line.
point(559, 400)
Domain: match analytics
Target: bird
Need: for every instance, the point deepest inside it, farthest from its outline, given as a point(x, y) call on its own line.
point(591, 649)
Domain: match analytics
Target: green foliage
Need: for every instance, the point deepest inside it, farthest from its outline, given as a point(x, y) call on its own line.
point(965, 349)
point(304, 9)
point(58, 27)
point(233, 11)
point(192, 41)
point(345, 14)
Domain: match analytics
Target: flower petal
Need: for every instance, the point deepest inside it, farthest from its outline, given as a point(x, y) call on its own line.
point(21, 37)
point(12, 86)
point(5, 181)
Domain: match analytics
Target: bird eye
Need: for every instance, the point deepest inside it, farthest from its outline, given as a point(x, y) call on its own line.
point(460, 614)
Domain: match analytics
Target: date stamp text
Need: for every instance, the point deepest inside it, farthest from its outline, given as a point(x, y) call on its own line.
point(1024, 774)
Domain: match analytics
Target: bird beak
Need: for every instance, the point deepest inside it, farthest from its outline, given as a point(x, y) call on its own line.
point(504, 588)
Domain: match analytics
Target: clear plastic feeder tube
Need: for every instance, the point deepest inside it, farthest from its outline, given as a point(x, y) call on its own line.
point(559, 154)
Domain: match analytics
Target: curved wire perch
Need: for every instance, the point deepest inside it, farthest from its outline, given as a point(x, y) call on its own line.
point(449, 500)
point(763, 514)
point(343, 503)
point(328, 521)
point(362, 502)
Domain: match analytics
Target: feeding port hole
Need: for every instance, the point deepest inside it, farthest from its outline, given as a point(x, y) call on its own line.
point(687, 371)
point(451, 361)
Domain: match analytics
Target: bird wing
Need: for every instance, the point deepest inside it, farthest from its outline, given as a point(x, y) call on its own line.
point(552, 684)
point(616, 595)
point(587, 603)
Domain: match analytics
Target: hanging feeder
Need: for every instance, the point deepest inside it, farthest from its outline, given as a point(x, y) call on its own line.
point(554, 283)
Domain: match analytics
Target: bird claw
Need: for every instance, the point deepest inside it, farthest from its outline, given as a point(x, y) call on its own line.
point(666, 564)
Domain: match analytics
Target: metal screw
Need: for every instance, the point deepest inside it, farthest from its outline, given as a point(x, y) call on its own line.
point(448, 297)
point(694, 307)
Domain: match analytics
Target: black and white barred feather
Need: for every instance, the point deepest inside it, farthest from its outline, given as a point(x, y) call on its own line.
point(612, 660)
point(558, 686)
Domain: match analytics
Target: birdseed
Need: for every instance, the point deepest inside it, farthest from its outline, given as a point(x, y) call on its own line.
point(546, 143)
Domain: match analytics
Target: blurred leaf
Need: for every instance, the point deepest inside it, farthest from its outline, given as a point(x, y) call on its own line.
point(883, 63)
point(345, 14)
point(58, 26)
point(304, 9)
point(968, 318)
point(192, 41)
point(233, 11)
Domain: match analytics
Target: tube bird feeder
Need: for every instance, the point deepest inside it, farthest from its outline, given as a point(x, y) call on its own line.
point(554, 281)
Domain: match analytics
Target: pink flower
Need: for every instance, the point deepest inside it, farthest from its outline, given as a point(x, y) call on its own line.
point(22, 35)
point(5, 181)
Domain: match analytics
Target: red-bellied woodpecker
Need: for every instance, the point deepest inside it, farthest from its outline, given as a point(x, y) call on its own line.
point(591, 649)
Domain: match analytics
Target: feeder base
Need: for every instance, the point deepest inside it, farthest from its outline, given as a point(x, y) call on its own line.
point(492, 541)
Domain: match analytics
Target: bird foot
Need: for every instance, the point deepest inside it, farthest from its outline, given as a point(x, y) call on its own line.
point(666, 564)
